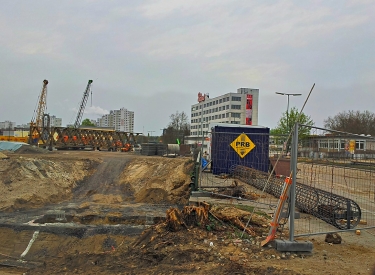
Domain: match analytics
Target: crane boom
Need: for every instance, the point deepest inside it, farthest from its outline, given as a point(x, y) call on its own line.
point(83, 105)
point(41, 108)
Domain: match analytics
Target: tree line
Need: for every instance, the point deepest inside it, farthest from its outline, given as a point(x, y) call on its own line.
point(355, 122)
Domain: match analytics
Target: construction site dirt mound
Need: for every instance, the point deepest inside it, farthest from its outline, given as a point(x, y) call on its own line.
point(198, 250)
point(158, 179)
point(29, 149)
point(27, 182)
point(153, 195)
point(107, 199)
point(100, 187)
point(3, 156)
point(214, 248)
point(140, 179)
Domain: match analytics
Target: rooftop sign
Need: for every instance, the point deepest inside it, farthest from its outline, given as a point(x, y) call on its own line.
point(201, 97)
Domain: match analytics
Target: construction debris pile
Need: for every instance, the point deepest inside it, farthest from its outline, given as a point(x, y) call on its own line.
point(205, 214)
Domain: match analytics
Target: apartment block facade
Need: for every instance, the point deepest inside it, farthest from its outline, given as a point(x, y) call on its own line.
point(7, 125)
point(121, 120)
point(234, 108)
point(55, 121)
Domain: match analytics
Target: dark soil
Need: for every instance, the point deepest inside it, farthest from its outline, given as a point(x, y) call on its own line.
point(105, 180)
point(29, 149)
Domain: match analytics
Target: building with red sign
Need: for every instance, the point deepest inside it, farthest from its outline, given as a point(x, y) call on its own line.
point(234, 108)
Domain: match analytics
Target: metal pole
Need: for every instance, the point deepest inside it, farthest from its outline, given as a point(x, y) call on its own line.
point(287, 116)
point(201, 154)
point(293, 167)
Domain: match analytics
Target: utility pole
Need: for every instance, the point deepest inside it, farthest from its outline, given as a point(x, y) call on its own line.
point(162, 135)
point(151, 133)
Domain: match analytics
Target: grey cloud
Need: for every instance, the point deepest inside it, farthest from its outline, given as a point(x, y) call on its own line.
point(153, 57)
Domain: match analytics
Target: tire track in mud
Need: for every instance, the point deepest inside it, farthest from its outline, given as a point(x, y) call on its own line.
point(105, 180)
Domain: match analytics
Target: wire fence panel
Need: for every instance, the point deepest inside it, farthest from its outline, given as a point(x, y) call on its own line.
point(230, 155)
point(335, 183)
point(339, 171)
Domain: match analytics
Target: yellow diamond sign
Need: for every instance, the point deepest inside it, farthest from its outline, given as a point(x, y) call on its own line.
point(242, 145)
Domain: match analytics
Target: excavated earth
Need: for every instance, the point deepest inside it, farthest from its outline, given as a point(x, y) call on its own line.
point(89, 210)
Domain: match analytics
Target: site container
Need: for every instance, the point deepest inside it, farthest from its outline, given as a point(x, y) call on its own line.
point(239, 145)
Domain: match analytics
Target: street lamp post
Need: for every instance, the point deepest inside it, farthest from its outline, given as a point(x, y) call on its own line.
point(287, 109)
point(151, 134)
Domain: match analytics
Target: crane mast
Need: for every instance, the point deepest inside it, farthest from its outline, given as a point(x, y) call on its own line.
point(41, 108)
point(83, 105)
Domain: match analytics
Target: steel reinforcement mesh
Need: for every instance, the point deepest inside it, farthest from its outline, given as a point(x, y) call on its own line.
point(328, 207)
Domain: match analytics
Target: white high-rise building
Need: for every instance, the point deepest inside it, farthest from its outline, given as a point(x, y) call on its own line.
point(55, 121)
point(234, 108)
point(7, 125)
point(121, 120)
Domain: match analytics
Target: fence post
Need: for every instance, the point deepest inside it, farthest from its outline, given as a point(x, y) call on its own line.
point(348, 214)
point(293, 168)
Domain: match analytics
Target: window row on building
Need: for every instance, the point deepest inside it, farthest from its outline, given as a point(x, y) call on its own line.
point(219, 116)
point(217, 109)
point(216, 102)
point(341, 144)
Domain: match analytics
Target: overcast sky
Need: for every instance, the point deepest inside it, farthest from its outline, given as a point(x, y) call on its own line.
point(153, 57)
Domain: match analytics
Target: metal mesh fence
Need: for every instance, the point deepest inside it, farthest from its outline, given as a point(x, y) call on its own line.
point(335, 181)
point(227, 174)
point(339, 169)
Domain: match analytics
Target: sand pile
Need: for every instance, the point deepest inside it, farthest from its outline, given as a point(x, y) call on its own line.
point(159, 180)
point(3, 156)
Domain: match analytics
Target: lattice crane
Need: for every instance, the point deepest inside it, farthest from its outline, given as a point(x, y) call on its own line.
point(37, 119)
point(83, 105)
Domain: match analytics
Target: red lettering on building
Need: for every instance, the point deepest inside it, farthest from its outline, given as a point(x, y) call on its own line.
point(249, 109)
point(201, 97)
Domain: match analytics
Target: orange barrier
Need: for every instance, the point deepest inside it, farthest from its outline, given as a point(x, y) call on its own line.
point(276, 217)
point(14, 139)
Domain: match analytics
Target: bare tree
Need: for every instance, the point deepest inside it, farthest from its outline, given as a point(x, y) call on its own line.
point(178, 127)
point(179, 121)
point(355, 122)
